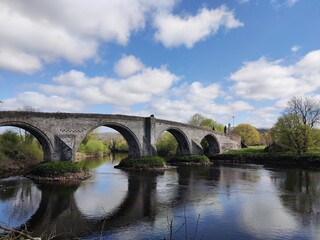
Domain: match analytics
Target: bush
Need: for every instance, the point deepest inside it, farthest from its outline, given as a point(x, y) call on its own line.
point(142, 162)
point(56, 168)
point(95, 146)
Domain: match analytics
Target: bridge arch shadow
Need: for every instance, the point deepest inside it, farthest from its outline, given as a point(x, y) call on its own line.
point(210, 145)
point(38, 134)
point(129, 136)
point(182, 140)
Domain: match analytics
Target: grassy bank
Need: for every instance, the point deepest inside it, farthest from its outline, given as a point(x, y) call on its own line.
point(260, 156)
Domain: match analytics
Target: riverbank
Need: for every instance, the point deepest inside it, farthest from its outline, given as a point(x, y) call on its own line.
point(258, 155)
point(9, 167)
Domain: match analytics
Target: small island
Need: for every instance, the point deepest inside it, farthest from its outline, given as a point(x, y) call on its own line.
point(59, 171)
point(152, 163)
point(190, 160)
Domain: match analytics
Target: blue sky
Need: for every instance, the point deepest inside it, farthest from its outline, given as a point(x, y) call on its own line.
point(170, 58)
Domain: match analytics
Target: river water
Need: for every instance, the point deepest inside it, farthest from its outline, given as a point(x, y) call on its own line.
point(216, 202)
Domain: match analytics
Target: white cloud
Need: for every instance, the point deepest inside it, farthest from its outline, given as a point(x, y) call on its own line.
point(41, 102)
point(128, 65)
point(295, 48)
point(264, 79)
point(140, 85)
point(173, 31)
point(36, 32)
point(18, 61)
point(290, 3)
point(283, 3)
point(243, 1)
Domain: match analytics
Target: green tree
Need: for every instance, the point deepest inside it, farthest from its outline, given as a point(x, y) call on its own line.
point(265, 138)
point(315, 137)
point(196, 119)
point(201, 121)
point(249, 135)
point(291, 133)
point(167, 145)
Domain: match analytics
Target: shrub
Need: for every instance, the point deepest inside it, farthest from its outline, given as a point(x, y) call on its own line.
point(56, 168)
point(142, 162)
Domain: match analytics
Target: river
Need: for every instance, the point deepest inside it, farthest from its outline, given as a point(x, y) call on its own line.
point(216, 202)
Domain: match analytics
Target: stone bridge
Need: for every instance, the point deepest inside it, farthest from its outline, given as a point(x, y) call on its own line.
point(61, 134)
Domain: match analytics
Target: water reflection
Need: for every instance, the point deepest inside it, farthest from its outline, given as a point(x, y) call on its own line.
point(299, 191)
point(221, 202)
point(19, 199)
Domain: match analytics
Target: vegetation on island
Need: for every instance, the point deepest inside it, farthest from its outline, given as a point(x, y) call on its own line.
point(142, 163)
point(190, 160)
point(59, 171)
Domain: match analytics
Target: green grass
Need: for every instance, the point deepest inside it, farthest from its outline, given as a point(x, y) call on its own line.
point(57, 168)
point(202, 159)
point(142, 162)
point(257, 155)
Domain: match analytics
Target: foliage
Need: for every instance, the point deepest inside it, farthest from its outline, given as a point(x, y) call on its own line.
point(265, 138)
point(56, 168)
point(199, 120)
point(95, 146)
point(90, 136)
point(249, 135)
point(117, 144)
point(167, 145)
point(259, 154)
point(92, 145)
point(15, 147)
point(291, 133)
point(142, 162)
point(315, 138)
point(307, 109)
point(191, 159)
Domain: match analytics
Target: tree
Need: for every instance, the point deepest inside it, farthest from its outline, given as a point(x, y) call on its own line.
point(291, 133)
point(196, 119)
point(265, 138)
point(249, 135)
point(167, 145)
point(308, 109)
point(201, 121)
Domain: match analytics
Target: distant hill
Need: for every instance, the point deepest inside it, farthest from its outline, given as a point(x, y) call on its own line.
point(263, 130)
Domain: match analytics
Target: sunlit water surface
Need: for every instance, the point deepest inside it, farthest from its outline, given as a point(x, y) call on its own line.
point(217, 202)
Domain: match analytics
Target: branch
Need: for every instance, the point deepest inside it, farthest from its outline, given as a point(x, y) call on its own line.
point(18, 232)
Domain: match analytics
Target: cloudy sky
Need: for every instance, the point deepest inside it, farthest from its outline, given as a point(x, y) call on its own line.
point(170, 58)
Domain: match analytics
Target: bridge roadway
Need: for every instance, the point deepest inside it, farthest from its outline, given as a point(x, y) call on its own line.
point(61, 134)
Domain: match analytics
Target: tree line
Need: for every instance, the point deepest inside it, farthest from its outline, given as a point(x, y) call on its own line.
point(294, 131)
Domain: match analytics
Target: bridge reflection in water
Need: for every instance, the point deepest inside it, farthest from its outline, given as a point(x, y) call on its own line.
point(234, 202)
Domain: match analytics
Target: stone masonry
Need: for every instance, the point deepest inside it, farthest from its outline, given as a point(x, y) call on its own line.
point(61, 134)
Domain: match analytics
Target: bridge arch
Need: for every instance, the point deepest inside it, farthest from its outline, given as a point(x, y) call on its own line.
point(129, 136)
point(46, 144)
point(211, 143)
point(182, 139)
